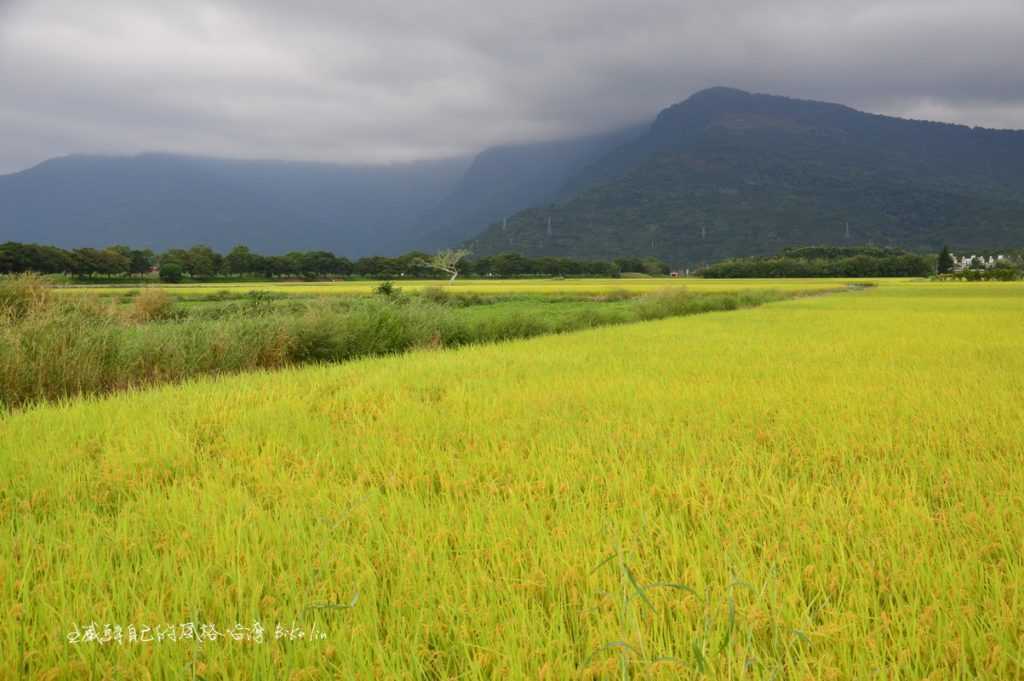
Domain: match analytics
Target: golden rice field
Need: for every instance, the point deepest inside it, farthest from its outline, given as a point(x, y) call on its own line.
point(492, 286)
point(824, 488)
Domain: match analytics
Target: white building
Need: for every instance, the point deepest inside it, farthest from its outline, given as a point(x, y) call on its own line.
point(976, 262)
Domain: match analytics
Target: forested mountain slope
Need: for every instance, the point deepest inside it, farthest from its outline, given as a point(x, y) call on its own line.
point(728, 173)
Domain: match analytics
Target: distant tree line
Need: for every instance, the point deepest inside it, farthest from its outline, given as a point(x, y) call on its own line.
point(112, 261)
point(202, 262)
point(826, 261)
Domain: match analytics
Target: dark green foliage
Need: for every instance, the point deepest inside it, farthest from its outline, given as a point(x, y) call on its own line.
point(140, 261)
point(945, 264)
point(729, 174)
point(994, 274)
point(386, 289)
point(509, 265)
point(15, 258)
point(825, 262)
point(240, 261)
point(839, 252)
point(652, 266)
point(171, 272)
point(1004, 274)
point(202, 262)
point(83, 262)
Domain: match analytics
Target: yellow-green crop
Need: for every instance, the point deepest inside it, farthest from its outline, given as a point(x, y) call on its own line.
point(823, 488)
point(490, 286)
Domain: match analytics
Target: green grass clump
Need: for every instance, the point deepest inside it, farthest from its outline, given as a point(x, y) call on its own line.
point(60, 347)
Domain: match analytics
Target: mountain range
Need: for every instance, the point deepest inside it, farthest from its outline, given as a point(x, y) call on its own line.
point(162, 201)
point(728, 173)
point(504, 180)
point(723, 173)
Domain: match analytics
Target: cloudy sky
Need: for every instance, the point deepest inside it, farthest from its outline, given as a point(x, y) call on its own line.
point(391, 80)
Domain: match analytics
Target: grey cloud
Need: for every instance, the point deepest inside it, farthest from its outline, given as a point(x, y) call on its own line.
point(393, 80)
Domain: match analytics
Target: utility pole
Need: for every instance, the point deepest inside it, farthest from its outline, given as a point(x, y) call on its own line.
point(847, 230)
point(549, 225)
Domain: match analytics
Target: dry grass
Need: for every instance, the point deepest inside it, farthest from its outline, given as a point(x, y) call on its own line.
point(152, 304)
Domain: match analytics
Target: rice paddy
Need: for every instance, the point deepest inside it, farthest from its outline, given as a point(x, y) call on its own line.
point(827, 487)
point(485, 286)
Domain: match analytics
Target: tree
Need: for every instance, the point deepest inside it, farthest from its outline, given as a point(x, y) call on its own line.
point(10, 258)
point(416, 264)
point(342, 265)
point(481, 267)
point(203, 261)
point(318, 263)
point(447, 261)
point(240, 260)
point(140, 262)
point(278, 265)
point(86, 262)
point(120, 249)
point(296, 263)
point(629, 264)
point(170, 272)
point(179, 256)
point(508, 264)
point(113, 262)
point(654, 267)
point(378, 266)
point(15, 257)
point(945, 261)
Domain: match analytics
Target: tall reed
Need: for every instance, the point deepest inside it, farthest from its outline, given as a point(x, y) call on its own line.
point(51, 348)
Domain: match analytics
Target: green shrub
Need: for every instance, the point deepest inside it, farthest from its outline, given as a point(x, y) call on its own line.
point(386, 289)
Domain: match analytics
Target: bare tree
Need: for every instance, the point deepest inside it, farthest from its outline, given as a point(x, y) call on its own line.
point(446, 261)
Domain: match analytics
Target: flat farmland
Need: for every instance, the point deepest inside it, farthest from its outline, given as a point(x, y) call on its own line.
point(487, 286)
point(825, 487)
